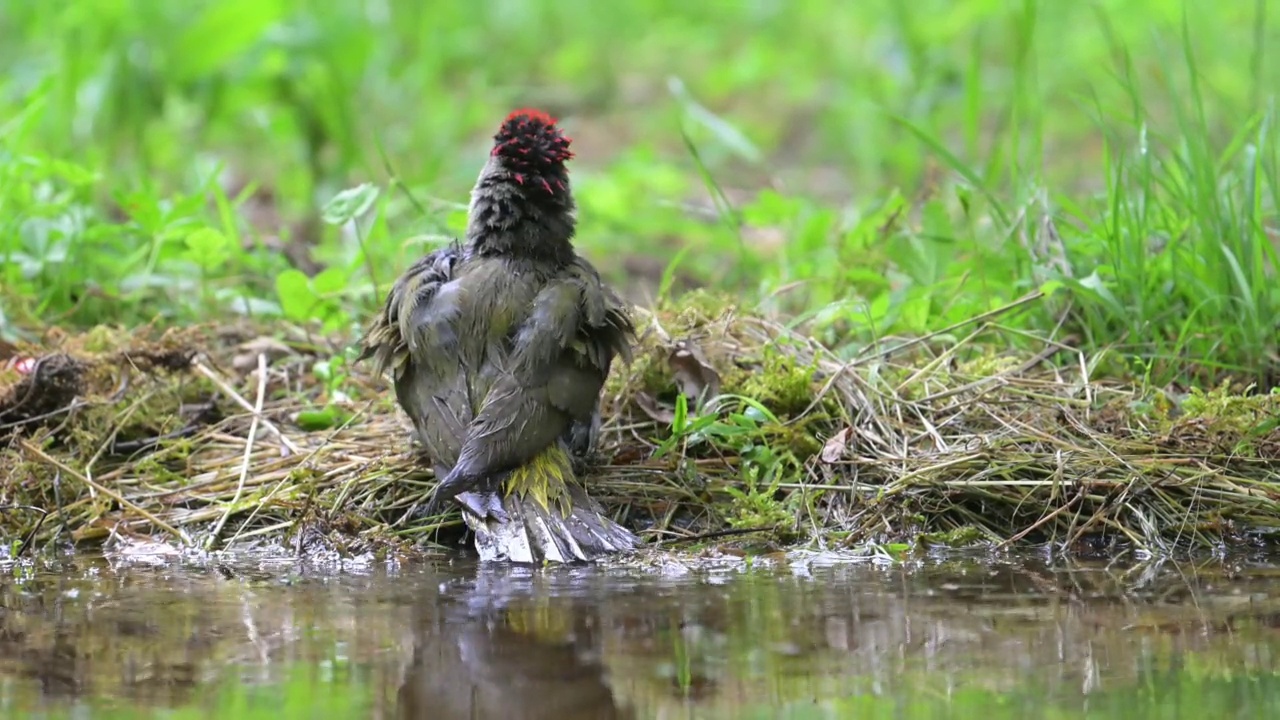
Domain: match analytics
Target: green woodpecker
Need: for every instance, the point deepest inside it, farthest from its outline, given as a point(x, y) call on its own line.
point(498, 349)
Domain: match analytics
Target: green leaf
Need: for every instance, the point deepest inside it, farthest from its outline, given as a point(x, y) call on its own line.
point(74, 174)
point(456, 220)
point(329, 281)
point(322, 370)
point(323, 419)
point(331, 371)
point(225, 30)
point(208, 247)
point(669, 273)
point(951, 160)
point(296, 298)
point(681, 418)
point(896, 550)
point(350, 204)
point(771, 208)
point(729, 135)
point(1098, 287)
point(1050, 287)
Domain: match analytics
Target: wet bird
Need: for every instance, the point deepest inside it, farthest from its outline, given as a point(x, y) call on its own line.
point(498, 349)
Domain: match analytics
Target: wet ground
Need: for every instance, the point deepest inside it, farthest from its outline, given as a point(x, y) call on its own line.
point(804, 637)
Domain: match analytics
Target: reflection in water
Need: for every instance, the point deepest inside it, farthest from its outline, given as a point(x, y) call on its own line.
point(478, 656)
point(666, 641)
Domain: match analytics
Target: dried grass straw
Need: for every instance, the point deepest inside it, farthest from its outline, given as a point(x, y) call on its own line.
point(927, 435)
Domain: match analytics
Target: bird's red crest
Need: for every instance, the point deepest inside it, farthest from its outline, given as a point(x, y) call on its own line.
point(532, 114)
point(529, 139)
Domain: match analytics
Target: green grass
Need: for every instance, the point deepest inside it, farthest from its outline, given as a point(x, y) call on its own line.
point(868, 168)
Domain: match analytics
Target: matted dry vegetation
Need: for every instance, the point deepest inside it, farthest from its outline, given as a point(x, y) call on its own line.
point(194, 434)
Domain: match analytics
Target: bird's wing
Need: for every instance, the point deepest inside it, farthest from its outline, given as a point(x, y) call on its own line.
point(575, 323)
point(400, 323)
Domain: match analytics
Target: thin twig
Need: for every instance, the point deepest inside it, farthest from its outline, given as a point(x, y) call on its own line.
point(248, 451)
point(231, 393)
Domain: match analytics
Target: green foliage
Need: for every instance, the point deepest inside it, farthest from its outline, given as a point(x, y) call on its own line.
point(740, 426)
point(157, 160)
point(304, 299)
point(333, 373)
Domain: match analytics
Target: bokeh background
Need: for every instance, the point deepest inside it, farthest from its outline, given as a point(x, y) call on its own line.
point(867, 168)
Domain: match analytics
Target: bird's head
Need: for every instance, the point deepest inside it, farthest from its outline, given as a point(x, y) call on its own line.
point(532, 150)
point(522, 204)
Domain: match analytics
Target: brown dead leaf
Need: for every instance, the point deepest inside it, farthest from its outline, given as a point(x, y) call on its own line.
point(694, 376)
point(657, 411)
point(834, 449)
point(247, 359)
point(696, 379)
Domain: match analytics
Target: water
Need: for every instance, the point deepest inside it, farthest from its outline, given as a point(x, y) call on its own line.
point(805, 638)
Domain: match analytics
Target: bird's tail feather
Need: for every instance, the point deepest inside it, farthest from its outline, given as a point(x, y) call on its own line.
point(542, 514)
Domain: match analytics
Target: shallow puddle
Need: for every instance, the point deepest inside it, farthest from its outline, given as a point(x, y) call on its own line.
point(92, 637)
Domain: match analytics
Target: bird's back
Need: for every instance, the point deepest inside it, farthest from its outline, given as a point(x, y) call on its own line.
point(460, 343)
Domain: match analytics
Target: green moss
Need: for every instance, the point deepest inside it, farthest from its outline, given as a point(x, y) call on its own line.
point(797, 438)
point(696, 309)
point(304, 475)
point(966, 536)
point(102, 339)
point(162, 470)
point(758, 510)
point(988, 364)
point(781, 383)
point(649, 373)
point(1229, 409)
